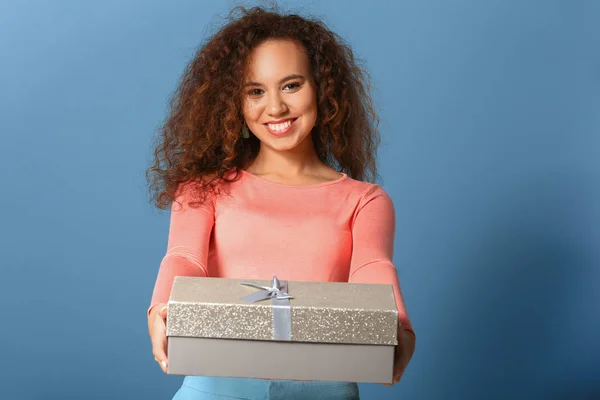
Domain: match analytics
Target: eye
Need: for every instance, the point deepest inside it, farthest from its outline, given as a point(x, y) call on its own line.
point(293, 85)
point(255, 92)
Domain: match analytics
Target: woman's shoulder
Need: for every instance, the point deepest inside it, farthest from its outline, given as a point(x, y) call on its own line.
point(372, 196)
point(366, 189)
point(201, 190)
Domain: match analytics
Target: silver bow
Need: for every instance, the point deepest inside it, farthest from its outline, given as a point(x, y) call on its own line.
point(276, 291)
point(280, 299)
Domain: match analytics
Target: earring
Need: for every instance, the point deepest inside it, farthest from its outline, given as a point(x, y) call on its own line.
point(245, 133)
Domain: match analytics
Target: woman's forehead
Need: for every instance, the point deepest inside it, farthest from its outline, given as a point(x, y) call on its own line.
point(275, 59)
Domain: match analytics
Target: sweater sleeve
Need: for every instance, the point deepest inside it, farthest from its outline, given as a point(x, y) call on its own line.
point(187, 246)
point(373, 232)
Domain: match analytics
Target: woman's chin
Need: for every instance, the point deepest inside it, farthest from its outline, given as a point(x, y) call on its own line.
point(286, 143)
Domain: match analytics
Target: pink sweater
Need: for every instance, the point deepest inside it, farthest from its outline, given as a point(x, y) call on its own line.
point(337, 231)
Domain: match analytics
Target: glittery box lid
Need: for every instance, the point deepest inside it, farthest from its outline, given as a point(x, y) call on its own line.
point(326, 312)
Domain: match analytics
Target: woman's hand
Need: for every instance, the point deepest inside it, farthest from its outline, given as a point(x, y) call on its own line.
point(398, 366)
point(403, 354)
point(158, 334)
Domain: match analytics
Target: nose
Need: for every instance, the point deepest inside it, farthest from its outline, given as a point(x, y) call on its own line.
point(276, 105)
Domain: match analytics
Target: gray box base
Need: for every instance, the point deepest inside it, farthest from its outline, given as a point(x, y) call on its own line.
point(280, 360)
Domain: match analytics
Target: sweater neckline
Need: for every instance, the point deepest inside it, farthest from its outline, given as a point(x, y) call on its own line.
point(341, 178)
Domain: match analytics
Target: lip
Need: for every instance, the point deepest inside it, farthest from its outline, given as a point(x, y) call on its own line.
point(280, 133)
point(280, 121)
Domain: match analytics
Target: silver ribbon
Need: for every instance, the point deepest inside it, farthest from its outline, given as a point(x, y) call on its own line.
point(280, 299)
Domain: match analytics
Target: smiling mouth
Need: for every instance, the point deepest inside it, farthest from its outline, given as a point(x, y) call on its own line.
point(281, 127)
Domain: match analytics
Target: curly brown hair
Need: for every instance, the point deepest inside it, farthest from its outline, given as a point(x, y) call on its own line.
point(200, 140)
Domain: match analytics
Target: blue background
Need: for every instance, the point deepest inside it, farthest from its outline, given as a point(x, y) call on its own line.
point(491, 134)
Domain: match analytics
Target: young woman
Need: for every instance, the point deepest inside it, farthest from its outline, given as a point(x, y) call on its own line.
point(265, 161)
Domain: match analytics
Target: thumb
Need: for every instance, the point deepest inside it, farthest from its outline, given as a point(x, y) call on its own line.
point(163, 312)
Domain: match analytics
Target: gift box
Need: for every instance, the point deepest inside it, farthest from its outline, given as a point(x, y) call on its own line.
point(308, 331)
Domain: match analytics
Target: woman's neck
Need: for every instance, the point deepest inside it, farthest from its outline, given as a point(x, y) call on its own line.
point(299, 165)
point(301, 160)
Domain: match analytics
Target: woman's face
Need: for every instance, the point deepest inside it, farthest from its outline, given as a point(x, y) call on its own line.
point(279, 97)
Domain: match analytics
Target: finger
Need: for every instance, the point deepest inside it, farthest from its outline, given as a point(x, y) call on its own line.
point(163, 367)
point(152, 315)
point(158, 351)
point(163, 313)
point(162, 362)
point(395, 380)
point(159, 341)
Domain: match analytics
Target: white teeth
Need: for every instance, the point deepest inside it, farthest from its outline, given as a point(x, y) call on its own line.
point(280, 127)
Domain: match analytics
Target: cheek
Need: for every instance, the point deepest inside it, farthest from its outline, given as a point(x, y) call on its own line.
point(310, 102)
point(251, 111)
point(310, 109)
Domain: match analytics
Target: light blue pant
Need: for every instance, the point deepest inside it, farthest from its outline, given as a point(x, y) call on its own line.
point(213, 388)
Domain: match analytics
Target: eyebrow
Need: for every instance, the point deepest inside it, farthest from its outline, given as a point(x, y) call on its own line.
point(287, 78)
